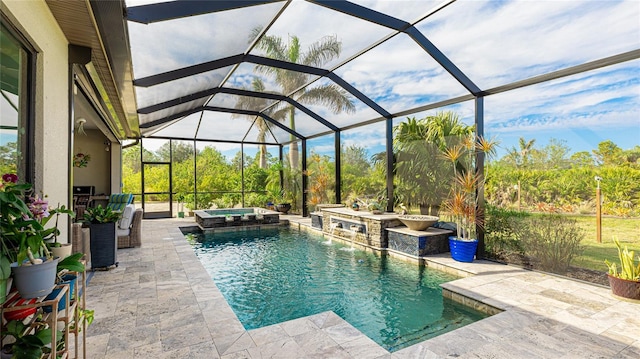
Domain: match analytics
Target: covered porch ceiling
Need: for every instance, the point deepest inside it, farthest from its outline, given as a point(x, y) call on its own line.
point(233, 71)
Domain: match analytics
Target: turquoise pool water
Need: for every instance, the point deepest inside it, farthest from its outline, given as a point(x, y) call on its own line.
point(270, 276)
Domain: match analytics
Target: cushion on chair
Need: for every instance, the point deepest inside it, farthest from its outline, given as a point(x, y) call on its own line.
point(133, 237)
point(127, 217)
point(118, 201)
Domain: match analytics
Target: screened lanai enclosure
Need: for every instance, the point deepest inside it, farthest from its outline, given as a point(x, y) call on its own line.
point(242, 103)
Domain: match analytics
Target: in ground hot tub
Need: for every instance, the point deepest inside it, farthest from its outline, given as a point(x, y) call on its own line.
point(232, 217)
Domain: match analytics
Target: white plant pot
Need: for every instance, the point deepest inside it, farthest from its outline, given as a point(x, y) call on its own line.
point(63, 251)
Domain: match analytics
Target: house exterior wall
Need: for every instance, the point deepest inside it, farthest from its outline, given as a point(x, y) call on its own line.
point(52, 125)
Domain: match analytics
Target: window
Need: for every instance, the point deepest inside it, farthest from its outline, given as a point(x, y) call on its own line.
point(16, 138)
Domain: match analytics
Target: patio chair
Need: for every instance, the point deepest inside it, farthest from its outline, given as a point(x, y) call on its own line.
point(128, 229)
point(118, 201)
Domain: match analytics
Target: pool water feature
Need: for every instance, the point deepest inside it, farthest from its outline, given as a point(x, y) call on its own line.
point(270, 276)
point(235, 217)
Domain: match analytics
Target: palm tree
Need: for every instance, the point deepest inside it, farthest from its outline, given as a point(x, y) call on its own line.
point(291, 82)
point(520, 156)
point(254, 104)
point(421, 148)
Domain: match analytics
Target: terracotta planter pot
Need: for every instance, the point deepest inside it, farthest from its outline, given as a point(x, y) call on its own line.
point(627, 289)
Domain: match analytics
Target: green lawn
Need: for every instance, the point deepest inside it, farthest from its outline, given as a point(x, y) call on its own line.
point(627, 230)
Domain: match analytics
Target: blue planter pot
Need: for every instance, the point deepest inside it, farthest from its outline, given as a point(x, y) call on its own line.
point(463, 251)
point(69, 279)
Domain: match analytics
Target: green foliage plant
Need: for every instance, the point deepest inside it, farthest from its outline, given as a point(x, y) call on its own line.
point(551, 240)
point(629, 267)
point(71, 263)
point(501, 237)
point(101, 214)
point(29, 346)
point(23, 222)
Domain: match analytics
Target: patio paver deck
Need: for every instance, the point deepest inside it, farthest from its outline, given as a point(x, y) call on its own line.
point(160, 303)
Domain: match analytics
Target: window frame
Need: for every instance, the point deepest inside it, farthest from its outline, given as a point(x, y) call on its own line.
point(27, 162)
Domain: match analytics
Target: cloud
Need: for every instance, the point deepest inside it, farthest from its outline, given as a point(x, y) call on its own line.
point(493, 42)
point(498, 42)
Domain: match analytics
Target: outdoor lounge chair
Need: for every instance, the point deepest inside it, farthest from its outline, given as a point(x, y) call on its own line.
point(118, 201)
point(128, 229)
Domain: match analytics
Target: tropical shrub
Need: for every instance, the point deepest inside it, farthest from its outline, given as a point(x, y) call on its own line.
point(551, 241)
point(501, 237)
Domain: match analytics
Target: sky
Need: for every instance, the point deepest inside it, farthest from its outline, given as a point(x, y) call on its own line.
point(492, 42)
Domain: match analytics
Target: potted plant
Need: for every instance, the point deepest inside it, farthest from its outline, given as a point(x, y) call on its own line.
point(61, 250)
point(625, 281)
point(280, 203)
point(423, 178)
point(375, 207)
point(22, 230)
point(29, 344)
point(5, 273)
point(462, 204)
point(67, 269)
point(102, 235)
point(180, 199)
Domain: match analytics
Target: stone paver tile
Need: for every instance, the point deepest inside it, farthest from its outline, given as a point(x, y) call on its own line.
point(111, 324)
point(363, 348)
point(414, 351)
point(184, 336)
point(97, 346)
point(265, 335)
point(585, 343)
point(583, 302)
point(315, 342)
point(204, 350)
point(625, 331)
point(456, 343)
point(298, 326)
point(135, 337)
point(217, 308)
point(183, 316)
point(224, 327)
point(282, 349)
point(343, 332)
point(243, 354)
point(540, 343)
point(154, 350)
point(234, 343)
point(122, 354)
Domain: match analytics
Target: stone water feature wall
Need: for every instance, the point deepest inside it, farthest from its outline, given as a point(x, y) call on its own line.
point(359, 226)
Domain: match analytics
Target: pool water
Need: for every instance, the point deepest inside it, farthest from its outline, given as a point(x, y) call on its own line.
point(270, 276)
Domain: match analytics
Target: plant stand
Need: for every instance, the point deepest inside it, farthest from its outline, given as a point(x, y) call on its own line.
point(70, 315)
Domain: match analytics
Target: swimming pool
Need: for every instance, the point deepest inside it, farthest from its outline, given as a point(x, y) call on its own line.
point(270, 276)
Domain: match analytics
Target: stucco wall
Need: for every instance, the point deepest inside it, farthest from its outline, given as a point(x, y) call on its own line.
point(52, 131)
point(97, 173)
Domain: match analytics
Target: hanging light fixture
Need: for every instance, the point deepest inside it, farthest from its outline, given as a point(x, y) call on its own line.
point(80, 126)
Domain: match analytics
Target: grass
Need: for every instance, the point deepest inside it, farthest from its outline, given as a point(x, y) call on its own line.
point(627, 230)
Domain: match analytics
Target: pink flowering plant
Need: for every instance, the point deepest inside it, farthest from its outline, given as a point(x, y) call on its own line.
point(23, 222)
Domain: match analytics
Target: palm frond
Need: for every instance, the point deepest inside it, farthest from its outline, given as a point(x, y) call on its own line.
point(332, 96)
point(322, 51)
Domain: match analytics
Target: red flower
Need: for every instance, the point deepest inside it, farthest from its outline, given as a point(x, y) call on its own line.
point(10, 177)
